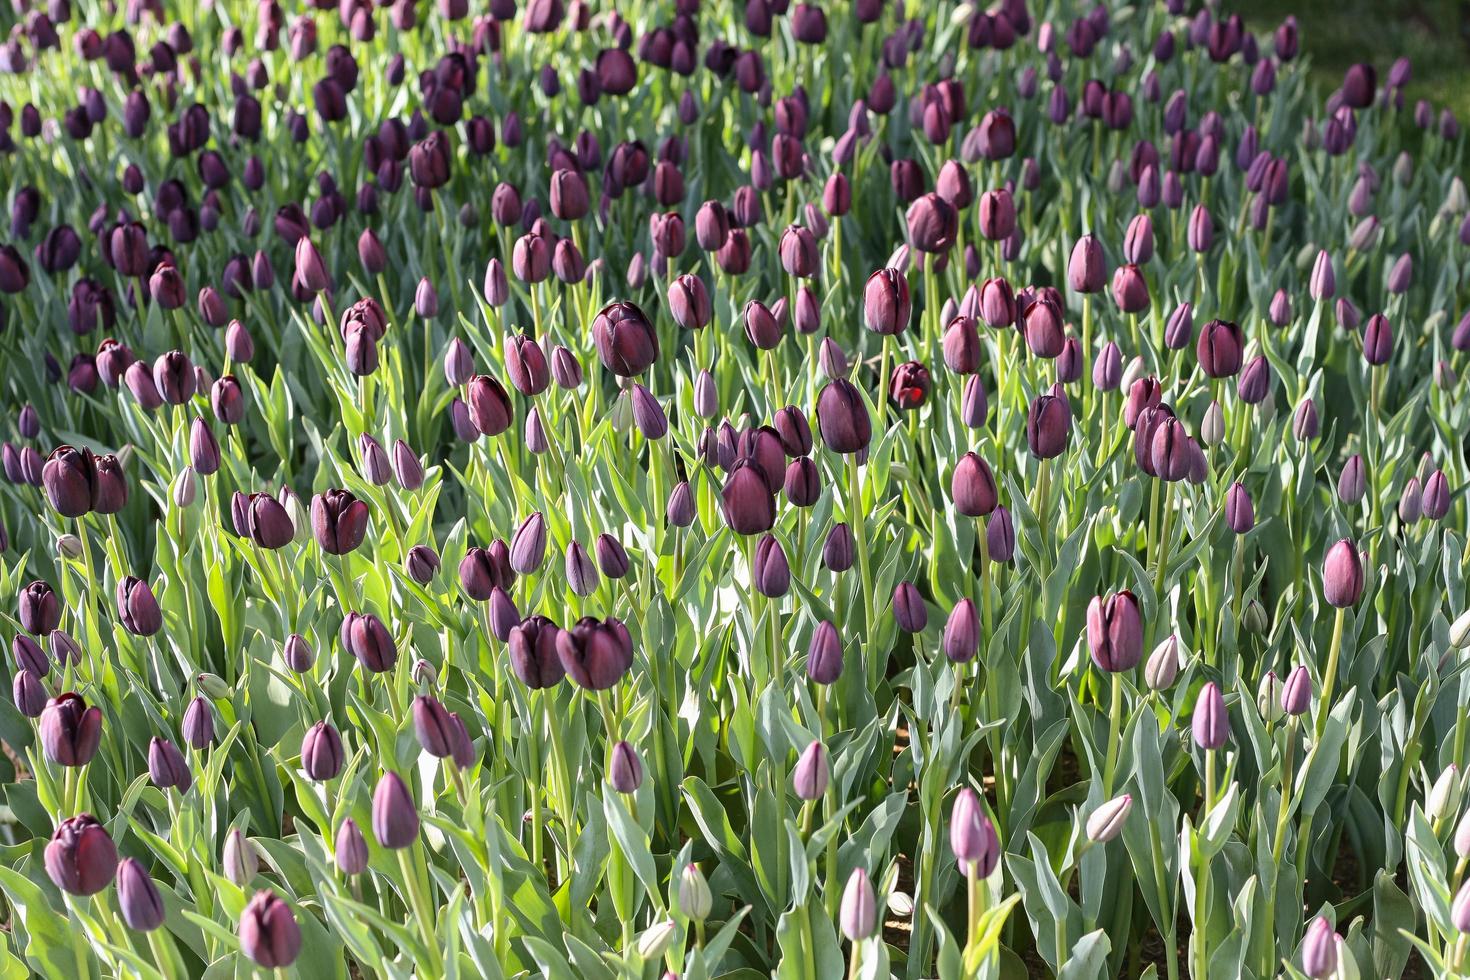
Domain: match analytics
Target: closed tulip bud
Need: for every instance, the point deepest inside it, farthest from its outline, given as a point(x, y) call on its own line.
point(1042, 324)
point(812, 775)
point(1444, 796)
point(1085, 273)
point(689, 302)
point(1460, 631)
point(972, 836)
point(137, 608)
point(395, 816)
point(1352, 483)
point(858, 913)
point(28, 693)
point(1460, 909)
point(1377, 340)
point(961, 639)
point(204, 454)
point(338, 521)
point(432, 727)
point(1219, 349)
point(198, 723)
point(297, 653)
point(1305, 424)
point(533, 655)
point(581, 572)
point(1107, 369)
point(1435, 499)
point(351, 848)
point(595, 654)
point(239, 860)
point(625, 769)
point(648, 414)
point(625, 339)
point(1342, 575)
point(932, 224)
point(1211, 722)
point(1000, 536)
point(1162, 666)
point(909, 610)
point(1255, 381)
point(70, 731)
point(365, 637)
point(770, 572)
point(962, 350)
point(886, 303)
point(1240, 514)
point(137, 897)
point(1048, 426)
point(1115, 631)
point(612, 558)
point(1296, 693)
point(1106, 822)
point(269, 933)
point(80, 858)
point(997, 215)
point(1130, 289)
point(837, 549)
point(321, 752)
point(1319, 950)
point(459, 363)
point(70, 479)
point(39, 609)
point(973, 487)
point(974, 403)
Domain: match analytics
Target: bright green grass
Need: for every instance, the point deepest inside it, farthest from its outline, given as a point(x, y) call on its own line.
point(1434, 34)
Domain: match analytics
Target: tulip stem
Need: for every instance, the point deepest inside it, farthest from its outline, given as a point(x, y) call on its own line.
point(1167, 532)
point(858, 520)
point(1115, 725)
point(1329, 677)
point(422, 910)
point(975, 889)
point(162, 955)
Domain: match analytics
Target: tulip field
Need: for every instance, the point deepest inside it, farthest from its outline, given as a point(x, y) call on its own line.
point(687, 489)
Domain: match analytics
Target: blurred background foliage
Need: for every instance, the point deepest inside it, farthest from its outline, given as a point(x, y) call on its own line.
point(1434, 34)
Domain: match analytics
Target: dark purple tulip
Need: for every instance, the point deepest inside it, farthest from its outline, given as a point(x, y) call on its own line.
point(1296, 693)
point(1240, 513)
point(365, 637)
point(1435, 500)
point(748, 499)
point(625, 769)
point(997, 215)
point(973, 486)
point(1377, 340)
point(886, 303)
point(770, 572)
point(1130, 289)
point(70, 479)
point(137, 897)
point(338, 521)
point(1000, 535)
point(909, 610)
point(137, 608)
point(1115, 631)
point(1255, 381)
point(798, 252)
point(595, 653)
point(28, 693)
point(167, 767)
point(321, 752)
point(269, 933)
point(198, 723)
point(932, 224)
point(80, 858)
point(1085, 272)
point(1219, 348)
point(837, 549)
point(626, 342)
point(485, 569)
point(842, 417)
point(395, 817)
point(961, 639)
point(70, 731)
point(39, 608)
point(528, 544)
point(1048, 426)
point(422, 564)
point(533, 654)
point(489, 405)
point(432, 727)
point(824, 659)
point(1359, 86)
point(909, 385)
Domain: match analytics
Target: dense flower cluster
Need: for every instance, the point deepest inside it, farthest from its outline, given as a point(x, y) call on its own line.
point(693, 489)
